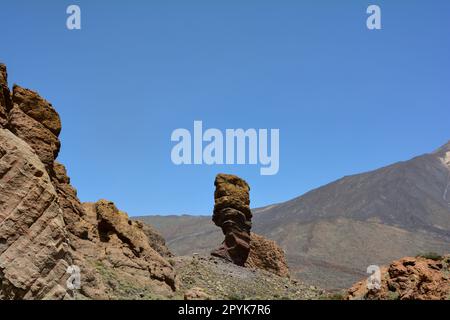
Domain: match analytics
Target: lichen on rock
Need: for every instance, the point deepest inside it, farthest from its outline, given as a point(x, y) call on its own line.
point(232, 213)
point(266, 255)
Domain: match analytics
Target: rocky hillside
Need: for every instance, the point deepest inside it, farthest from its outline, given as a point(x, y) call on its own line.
point(383, 215)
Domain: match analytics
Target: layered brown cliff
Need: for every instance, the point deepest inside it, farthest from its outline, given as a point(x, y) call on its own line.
point(44, 228)
point(5, 101)
point(34, 246)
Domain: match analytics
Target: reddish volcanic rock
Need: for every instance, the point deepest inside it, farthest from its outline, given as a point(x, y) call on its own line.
point(265, 254)
point(232, 213)
point(34, 120)
point(43, 141)
point(409, 279)
point(36, 107)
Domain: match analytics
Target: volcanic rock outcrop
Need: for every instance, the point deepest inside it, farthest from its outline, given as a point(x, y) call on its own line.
point(34, 120)
point(409, 278)
point(232, 213)
point(5, 102)
point(265, 254)
point(119, 250)
point(34, 251)
point(156, 240)
point(44, 228)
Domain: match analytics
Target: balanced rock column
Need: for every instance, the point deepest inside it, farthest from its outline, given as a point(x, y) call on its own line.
point(232, 213)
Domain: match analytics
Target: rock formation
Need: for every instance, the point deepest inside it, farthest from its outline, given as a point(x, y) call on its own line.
point(119, 250)
point(232, 213)
point(34, 251)
point(36, 122)
point(44, 228)
point(156, 240)
point(409, 279)
point(5, 101)
point(266, 255)
point(45, 231)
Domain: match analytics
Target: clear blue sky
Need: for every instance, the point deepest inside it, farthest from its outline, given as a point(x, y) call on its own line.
point(345, 99)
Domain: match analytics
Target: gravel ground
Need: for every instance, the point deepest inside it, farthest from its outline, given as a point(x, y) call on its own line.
point(224, 280)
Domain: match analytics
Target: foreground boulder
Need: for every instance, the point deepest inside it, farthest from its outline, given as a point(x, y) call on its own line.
point(232, 213)
point(409, 278)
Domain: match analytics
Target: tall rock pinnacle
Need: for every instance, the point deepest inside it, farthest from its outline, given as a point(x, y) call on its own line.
point(232, 213)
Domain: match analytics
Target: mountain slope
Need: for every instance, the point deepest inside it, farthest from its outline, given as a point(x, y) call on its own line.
point(331, 234)
point(407, 194)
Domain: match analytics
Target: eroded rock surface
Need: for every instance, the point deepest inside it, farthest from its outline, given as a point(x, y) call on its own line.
point(232, 213)
point(35, 121)
point(34, 252)
point(44, 228)
point(409, 279)
point(156, 240)
point(5, 102)
point(119, 250)
point(36, 107)
point(266, 255)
